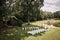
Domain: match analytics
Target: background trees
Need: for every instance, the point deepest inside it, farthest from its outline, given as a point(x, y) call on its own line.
point(57, 15)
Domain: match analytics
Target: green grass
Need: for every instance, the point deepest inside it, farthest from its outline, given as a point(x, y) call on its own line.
point(15, 33)
point(52, 34)
point(26, 25)
point(40, 23)
point(12, 34)
point(18, 34)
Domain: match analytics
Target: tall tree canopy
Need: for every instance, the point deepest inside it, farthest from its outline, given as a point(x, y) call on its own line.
point(29, 8)
point(57, 14)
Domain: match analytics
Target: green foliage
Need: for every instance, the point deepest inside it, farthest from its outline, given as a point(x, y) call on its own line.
point(57, 15)
point(26, 9)
point(14, 22)
point(2, 12)
point(29, 9)
point(14, 33)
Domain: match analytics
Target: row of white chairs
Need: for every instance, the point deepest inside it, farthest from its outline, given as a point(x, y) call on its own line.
point(33, 32)
point(25, 28)
point(45, 27)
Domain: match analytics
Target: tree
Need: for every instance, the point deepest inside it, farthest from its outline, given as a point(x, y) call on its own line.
point(57, 14)
point(26, 7)
point(30, 8)
point(5, 9)
point(2, 12)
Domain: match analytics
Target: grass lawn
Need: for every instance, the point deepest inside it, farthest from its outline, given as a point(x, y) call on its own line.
point(12, 34)
point(40, 23)
point(15, 33)
point(19, 34)
point(52, 34)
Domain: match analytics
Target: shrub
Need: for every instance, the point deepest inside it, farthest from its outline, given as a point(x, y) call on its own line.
point(20, 22)
point(15, 22)
point(57, 24)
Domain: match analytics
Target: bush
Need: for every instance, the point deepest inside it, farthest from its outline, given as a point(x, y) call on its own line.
point(15, 22)
point(57, 24)
point(20, 22)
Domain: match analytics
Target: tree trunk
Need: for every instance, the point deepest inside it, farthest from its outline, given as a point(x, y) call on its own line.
point(2, 12)
point(1, 20)
point(28, 17)
point(28, 21)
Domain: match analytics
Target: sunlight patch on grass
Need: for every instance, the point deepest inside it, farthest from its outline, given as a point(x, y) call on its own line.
point(40, 23)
